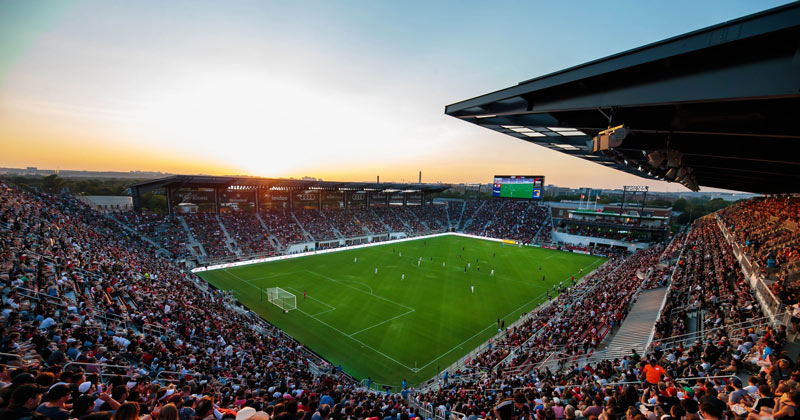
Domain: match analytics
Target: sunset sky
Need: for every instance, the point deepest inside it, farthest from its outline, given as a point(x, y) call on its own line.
point(339, 90)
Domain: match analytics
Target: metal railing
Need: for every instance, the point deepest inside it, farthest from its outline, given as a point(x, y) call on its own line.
point(770, 304)
point(730, 330)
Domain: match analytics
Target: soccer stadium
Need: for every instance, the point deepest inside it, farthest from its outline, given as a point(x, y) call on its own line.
point(177, 296)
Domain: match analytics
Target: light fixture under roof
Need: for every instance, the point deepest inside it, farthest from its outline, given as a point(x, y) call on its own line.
point(560, 129)
point(511, 127)
point(572, 133)
point(533, 134)
point(565, 146)
point(485, 116)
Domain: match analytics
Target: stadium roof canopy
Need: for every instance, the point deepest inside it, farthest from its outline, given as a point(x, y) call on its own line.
point(720, 106)
point(205, 181)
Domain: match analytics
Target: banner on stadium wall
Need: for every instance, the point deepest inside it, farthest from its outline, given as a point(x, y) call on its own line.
point(332, 195)
point(193, 196)
point(238, 197)
point(327, 251)
point(274, 196)
point(306, 196)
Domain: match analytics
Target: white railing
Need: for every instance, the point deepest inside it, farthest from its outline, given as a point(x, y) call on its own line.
point(770, 303)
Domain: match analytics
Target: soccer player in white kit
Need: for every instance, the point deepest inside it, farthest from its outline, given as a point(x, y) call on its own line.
point(402, 276)
point(376, 270)
point(355, 260)
point(473, 289)
point(492, 273)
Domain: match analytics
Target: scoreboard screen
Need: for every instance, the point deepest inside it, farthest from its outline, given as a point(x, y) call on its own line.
point(518, 186)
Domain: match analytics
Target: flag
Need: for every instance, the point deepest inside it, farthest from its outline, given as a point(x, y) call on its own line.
point(582, 197)
point(598, 197)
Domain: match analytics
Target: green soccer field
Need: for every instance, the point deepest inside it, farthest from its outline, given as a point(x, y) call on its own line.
point(392, 328)
point(516, 190)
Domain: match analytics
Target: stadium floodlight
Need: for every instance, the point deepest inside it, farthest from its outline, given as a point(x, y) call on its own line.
point(281, 298)
point(610, 138)
point(656, 158)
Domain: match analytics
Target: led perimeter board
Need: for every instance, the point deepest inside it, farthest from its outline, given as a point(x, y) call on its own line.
point(518, 186)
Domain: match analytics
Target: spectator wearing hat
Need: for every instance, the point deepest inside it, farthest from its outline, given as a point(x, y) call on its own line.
point(54, 408)
point(248, 413)
point(23, 403)
point(738, 393)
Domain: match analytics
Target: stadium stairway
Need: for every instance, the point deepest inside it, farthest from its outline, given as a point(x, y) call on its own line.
point(461, 214)
point(136, 233)
point(548, 224)
point(193, 244)
point(637, 326)
point(421, 222)
point(272, 238)
point(403, 221)
point(335, 231)
point(491, 221)
point(469, 221)
point(388, 228)
point(302, 229)
point(232, 246)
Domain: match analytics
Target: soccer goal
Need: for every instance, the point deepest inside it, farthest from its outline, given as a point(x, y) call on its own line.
point(281, 298)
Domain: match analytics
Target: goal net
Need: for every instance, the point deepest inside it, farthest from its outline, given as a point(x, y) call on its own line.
point(281, 298)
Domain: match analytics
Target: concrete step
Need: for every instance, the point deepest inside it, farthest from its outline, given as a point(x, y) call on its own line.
point(637, 326)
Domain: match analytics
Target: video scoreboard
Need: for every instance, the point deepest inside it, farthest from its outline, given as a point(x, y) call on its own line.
point(518, 186)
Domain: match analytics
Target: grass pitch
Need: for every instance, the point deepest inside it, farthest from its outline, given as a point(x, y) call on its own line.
point(392, 328)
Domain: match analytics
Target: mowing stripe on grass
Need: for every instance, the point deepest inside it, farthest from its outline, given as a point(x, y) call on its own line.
point(346, 285)
point(332, 308)
point(382, 322)
point(355, 339)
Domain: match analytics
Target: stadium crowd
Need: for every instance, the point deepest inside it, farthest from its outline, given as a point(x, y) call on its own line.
point(248, 233)
point(164, 231)
point(509, 220)
point(206, 229)
point(518, 220)
point(769, 230)
point(281, 224)
point(86, 305)
point(95, 325)
point(316, 224)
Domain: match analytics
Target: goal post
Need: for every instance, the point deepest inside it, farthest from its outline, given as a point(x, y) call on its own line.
point(281, 298)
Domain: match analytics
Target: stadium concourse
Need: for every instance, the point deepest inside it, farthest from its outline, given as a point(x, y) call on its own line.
point(96, 319)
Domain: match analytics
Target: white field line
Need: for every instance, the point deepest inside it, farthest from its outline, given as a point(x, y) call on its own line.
point(248, 281)
point(342, 332)
point(354, 288)
point(493, 325)
point(332, 308)
point(382, 322)
point(355, 339)
point(401, 305)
